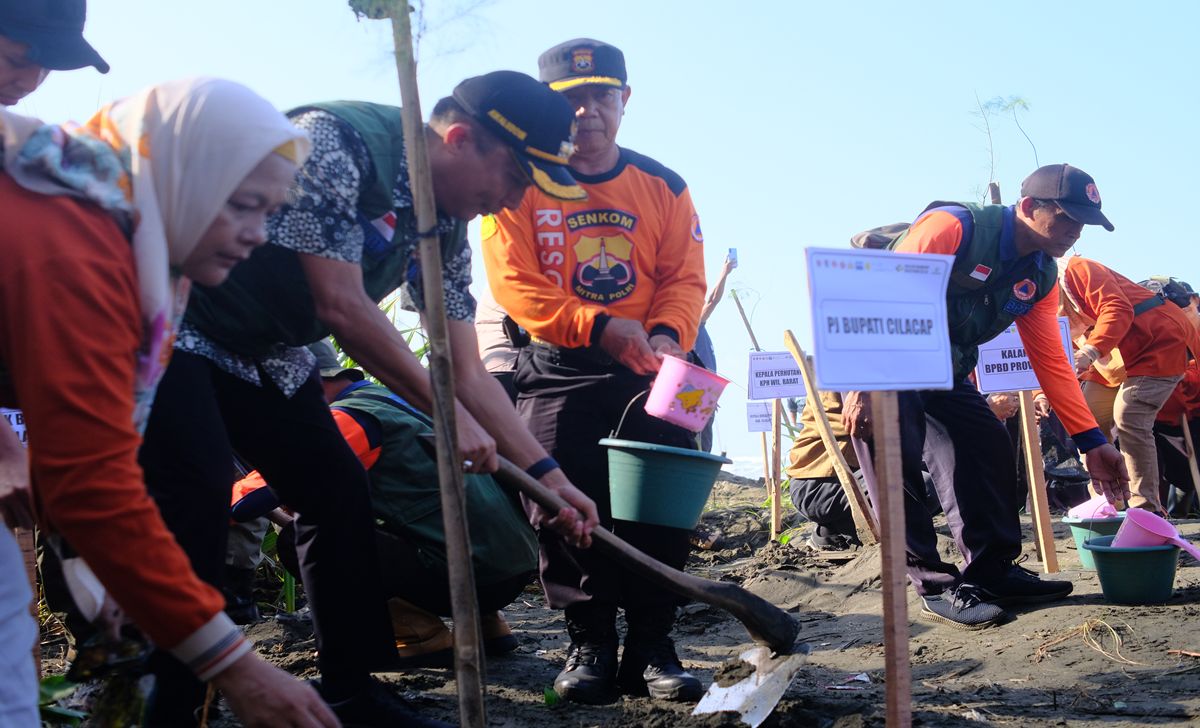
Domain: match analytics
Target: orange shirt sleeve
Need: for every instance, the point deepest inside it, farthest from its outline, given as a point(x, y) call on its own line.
point(937, 232)
point(357, 438)
point(1040, 334)
point(533, 298)
point(69, 329)
point(679, 272)
point(1097, 289)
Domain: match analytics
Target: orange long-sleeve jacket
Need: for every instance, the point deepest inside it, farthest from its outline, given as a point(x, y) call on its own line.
point(632, 250)
point(1153, 344)
point(70, 326)
point(941, 232)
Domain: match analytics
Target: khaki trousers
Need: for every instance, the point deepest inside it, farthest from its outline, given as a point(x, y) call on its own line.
point(1131, 408)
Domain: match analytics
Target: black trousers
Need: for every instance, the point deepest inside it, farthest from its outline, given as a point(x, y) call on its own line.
point(973, 467)
point(200, 416)
point(571, 401)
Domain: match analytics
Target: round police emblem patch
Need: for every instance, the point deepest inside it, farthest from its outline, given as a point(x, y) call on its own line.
point(697, 235)
point(1092, 193)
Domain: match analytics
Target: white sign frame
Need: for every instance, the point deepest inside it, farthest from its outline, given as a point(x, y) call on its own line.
point(879, 319)
point(758, 417)
point(992, 353)
point(774, 375)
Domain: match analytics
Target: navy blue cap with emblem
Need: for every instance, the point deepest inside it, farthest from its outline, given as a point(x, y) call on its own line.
point(535, 122)
point(53, 30)
point(581, 62)
point(1073, 189)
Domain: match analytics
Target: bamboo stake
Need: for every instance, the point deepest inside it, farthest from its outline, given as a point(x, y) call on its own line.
point(766, 465)
point(776, 476)
point(468, 653)
point(890, 488)
point(864, 519)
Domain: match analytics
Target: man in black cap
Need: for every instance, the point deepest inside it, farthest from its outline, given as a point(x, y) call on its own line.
point(242, 378)
point(606, 287)
point(1004, 272)
point(39, 36)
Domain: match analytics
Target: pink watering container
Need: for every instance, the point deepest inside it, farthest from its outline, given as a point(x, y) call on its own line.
point(685, 394)
point(1143, 528)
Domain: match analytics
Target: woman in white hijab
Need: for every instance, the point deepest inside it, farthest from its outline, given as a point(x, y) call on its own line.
point(105, 227)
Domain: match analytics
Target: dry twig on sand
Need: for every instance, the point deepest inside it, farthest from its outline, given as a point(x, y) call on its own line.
point(1095, 633)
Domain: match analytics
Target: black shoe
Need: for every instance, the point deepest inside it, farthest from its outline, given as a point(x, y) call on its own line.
point(376, 706)
point(961, 608)
point(239, 596)
point(589, 673)
point(1022, 586)
point(651, 667)
point(825, 539)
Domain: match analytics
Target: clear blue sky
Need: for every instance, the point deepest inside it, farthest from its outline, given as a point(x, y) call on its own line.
point(794, 123)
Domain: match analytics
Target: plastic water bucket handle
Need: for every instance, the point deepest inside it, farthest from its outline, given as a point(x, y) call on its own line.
point(643, 393)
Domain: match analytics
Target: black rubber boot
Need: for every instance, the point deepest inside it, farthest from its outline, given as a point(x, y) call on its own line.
point(590, 673)
point(649, 665)
point(239, 595)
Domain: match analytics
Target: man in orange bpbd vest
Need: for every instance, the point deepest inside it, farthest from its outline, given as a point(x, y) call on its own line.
point(605, 287)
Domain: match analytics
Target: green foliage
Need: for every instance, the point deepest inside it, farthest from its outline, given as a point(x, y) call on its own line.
point(550, 698)
point(51, 690)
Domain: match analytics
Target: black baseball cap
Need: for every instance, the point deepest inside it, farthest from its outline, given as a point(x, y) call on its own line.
point(535, 122)
point(581, 62)
point(327, 362)
point(53, 30)
point(1073, 189)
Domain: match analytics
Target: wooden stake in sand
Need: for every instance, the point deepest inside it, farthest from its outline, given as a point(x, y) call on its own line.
point(776, 476)
point(890, 486)
point(771, 474)
point(1191, 451)
point(468, 653)
point(864, 519)
point(1043, 530)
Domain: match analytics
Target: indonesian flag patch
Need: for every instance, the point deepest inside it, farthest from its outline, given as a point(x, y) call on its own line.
point(981, 272)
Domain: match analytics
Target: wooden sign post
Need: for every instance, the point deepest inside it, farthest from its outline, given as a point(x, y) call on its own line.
point(776, 476)
point(879, 323)
point(890, 481)
point(860, 510)
point(1004, 367)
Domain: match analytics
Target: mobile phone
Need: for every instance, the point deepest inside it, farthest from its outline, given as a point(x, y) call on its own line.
point(732, 256)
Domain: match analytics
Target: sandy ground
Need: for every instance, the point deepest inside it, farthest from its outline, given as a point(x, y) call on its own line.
point(1036, 670)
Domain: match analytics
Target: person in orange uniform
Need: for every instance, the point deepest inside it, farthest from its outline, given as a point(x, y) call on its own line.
point(1003, 272)
point(606, 287)
point(1154, 337)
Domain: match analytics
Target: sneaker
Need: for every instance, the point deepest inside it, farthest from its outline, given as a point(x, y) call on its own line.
point(1022, 586)
point(961, 608)
point(498, 639)
point(590, 673)
point(824, 539)
point(377, 706)
point(651, 667)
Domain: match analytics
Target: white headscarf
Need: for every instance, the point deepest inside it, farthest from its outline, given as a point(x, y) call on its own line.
point(181, 149)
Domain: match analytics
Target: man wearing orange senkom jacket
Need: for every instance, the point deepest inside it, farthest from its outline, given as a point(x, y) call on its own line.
point(605, 286)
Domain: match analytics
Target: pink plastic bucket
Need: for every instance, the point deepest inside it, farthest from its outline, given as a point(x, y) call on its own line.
point(685, 394)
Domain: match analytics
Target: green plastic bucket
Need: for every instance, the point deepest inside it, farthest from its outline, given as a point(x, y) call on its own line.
point(1134, 575)
point(666, 486)
point(1084, 528)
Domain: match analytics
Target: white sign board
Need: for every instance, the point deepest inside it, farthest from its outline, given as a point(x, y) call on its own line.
point(15, 420)
point(879, 319)
point(758, 417)
point(1003, 365)
point(774, 375)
